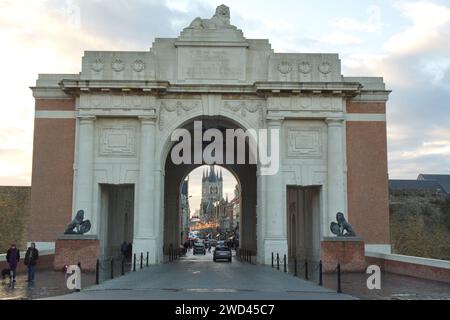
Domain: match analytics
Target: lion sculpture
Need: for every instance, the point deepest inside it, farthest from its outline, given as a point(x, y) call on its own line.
point(221, 19)
point(342, 228)
point(78, 225)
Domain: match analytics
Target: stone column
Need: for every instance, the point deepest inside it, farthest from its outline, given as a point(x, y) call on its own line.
point(336, 191)
point(145, 237)
point(275, 237)
point(85, 170)
point(260, 215)
point(159, 220)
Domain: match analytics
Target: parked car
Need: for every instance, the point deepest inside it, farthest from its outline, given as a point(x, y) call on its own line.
point(199, 248)
point(222, 253)
point(213, 242)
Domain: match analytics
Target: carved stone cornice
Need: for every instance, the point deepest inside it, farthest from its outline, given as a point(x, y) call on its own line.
point(86, 119)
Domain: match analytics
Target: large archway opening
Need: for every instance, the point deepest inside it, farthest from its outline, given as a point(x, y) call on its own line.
point(245, 175)
point(210, 200)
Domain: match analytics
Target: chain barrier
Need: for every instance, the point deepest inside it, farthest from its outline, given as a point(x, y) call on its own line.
point(109, 267)
point(307, 269)
point(246, 255)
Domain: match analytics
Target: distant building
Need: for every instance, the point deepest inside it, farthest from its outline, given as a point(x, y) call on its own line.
point(224, 211)
point(435, 183)
point(236, 206)
point(228, 212)
point(185, 210)
point(212, 193)
point(442, 179)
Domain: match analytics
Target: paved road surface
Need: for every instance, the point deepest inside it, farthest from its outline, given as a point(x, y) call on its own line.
point(198, 277)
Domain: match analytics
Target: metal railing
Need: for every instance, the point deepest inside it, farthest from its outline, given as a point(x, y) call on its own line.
point(307, 269)
point(172, 254)
point(113, 267)
point(246, 255)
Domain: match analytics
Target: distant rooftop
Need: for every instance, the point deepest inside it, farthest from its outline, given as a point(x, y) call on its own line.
point(439, 182)
point(442, 179)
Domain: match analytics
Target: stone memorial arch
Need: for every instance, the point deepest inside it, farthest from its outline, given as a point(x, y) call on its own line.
point(102, 140)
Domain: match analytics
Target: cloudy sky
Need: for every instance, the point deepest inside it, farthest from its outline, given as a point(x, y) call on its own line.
point(406, 42)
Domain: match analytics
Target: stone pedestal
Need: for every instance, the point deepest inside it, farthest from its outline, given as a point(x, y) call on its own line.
point(348, 251)
point(74, 249)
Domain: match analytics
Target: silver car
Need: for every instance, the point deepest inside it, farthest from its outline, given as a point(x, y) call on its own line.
point(222, 253)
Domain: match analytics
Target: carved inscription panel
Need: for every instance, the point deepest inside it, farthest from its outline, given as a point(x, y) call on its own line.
point(117, 141)
point(304, 142)
point(211, 63)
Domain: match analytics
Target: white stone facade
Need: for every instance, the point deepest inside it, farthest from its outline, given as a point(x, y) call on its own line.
point(129, 103)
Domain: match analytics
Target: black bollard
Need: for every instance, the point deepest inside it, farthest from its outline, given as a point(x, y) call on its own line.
point(339, 278)
point(123, 266)
point(306, 269)
point(285, 264)
point(272, 259)
point(147, 258)
point(278, 261)
point(112, 268)
point(134, 262)
point(320, 273)
point(97, 272)
point(142, 260)
point(295, 267)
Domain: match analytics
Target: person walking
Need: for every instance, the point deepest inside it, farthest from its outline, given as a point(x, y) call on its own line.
point(124, 250)
point(186, 246)
point(31, 257)
point(13, 258)
point(129, 251)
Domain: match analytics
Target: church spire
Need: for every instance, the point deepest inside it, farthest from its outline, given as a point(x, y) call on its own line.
point(212, 174)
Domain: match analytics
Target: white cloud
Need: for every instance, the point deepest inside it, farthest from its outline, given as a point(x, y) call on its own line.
point(341, 38)
point(429, 29)
point(372, 23)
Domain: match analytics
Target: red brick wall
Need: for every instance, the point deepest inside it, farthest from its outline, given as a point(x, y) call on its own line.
point(349, 254)
point(55, 104)
point(366, 107)
point(52, 177)
point(72, 252)
point(367, 176)
point(411, 269)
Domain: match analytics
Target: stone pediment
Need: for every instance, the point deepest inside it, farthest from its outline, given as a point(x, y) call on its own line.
point(214, 52)
point(217, 29)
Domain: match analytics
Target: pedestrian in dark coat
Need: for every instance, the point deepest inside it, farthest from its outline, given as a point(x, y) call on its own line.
point(124, 250)
point(13, 258)
point(30, 261)
point(129, 251)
